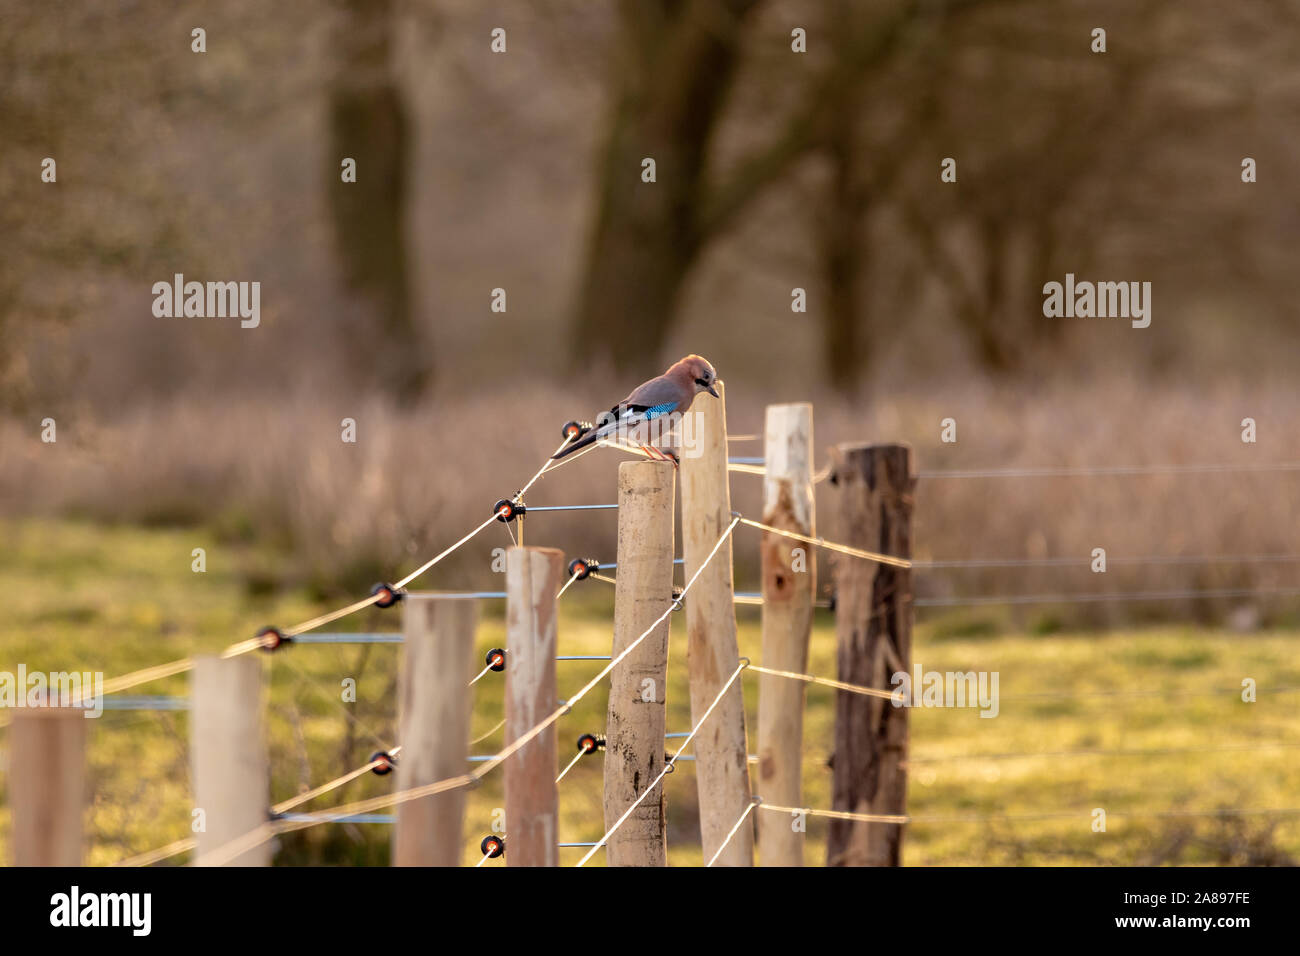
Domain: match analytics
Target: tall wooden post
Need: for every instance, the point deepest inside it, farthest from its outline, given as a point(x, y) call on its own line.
point(634, 752)
point(232, 774)
point(873, 624)
point(533, 576)
point(433, 721)
point(47, 784)
point(789, 587)
point(721, 766)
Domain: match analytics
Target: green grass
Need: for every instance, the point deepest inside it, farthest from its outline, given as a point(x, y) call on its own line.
point(87, 597)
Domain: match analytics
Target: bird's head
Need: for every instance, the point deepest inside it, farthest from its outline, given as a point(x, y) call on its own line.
point(700, 372)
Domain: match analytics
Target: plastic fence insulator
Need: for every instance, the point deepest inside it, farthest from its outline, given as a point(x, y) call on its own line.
point(496, 659)
point(384, 765)
point(507, 510)
point(580, 568)
point(575, 430)
point(272, 638)
point(493, 847)
point(387, 594)
point(590, 743)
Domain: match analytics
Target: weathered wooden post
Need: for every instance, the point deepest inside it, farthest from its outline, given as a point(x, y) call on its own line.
point(634, 751)
point(789, 587)
point(873, 624)
point(433, 721)
point(47, 784)
point(232, 773)
point(533, 576)
point(721, 766)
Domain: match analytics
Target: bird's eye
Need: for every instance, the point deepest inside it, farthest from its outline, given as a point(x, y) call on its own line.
point(701, 381)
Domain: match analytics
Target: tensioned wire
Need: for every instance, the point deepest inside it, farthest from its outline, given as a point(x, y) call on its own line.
point(304, 681)
point(179, 666)
point(1067, 472)
point(159, 671)
point(1083, 562)
point(898, 693)
point(124, 682)
point(1103, 596)
point(480, 739)
point(181, 846)
point(254, 838)
point(604, 671)
point(1136, 752)
point(669, 766)
point(572, 577)
point(1039, 815)
point(366, 602)
point(189, 843)
point(442, 786)
point(572, 763)
point(753, 804)
point(143, 676)
point(352, 775)
point(827, 682)
point(830, 545)
point(993, 600)
point(334, 784)
point(599, 443)
point(1082, 471)
point(366, 806)
point(332, 616)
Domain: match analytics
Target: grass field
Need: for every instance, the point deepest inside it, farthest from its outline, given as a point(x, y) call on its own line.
point(1163, 705)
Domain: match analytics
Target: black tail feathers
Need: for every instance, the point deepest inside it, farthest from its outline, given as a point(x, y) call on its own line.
point(587, 439)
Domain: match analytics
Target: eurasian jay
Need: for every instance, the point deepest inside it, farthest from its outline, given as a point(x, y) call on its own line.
point(668, 394)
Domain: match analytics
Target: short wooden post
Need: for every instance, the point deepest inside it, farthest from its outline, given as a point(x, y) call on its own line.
point(634, 752)
point(232, 776)
point(789, 586)
point(722, 754)
point(873, 623)
point(533, 576)
point(433, 726)
point(47, 784)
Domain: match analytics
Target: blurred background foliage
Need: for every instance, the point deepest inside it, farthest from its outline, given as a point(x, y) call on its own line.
point(521, 171)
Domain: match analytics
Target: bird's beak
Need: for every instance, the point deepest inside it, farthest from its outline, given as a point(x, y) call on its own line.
point(710, 390)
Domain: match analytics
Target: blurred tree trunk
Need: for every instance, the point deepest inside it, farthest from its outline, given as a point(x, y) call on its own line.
point(843, 249)
point(368, 122)
point(677, 61)
point(856, 170)
point(676, 65)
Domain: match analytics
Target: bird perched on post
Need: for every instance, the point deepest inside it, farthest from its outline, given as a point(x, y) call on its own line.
point(668, 394)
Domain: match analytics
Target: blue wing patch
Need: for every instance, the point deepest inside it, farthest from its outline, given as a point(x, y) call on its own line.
point(656, 411)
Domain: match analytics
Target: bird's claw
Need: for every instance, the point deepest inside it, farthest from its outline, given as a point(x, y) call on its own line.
point(660, 454)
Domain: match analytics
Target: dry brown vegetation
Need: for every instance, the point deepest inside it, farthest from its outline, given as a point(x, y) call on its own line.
point(345, 515)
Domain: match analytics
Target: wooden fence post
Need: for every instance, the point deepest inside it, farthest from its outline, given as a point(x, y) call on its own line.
point(533, 576)
point(789, 586)
point(722, 754)
point(634, 752)
point(232, 774)
point(433, 720)
point(873, 624)
point(47, 784)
